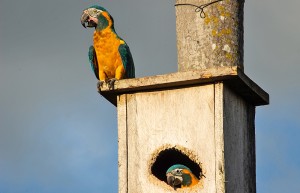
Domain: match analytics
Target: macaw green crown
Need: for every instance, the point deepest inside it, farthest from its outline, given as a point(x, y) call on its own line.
point(178, 166)
point(98, 7)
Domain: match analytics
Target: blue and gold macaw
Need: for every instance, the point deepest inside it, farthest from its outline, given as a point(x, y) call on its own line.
point(180, 176)
point(110, 56)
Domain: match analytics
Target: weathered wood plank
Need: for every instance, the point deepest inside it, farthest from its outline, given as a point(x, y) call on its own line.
point(239, 143)
point(212, 121)
point(122, 144)
point(134, 153)
point(172, 80)
point(219, 138)
point(249, 90)
point(157, 119)
point(232, 76)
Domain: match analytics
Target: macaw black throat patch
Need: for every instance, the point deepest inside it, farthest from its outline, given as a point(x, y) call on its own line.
point(91, 23)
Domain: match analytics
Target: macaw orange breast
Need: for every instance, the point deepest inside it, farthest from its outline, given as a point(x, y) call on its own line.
point(106, 44)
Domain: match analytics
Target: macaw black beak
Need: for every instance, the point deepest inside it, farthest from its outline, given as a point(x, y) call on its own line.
point(84, 19)
point(170, 180)
point(174, 182)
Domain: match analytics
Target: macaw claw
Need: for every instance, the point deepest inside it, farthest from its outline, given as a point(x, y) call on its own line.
point(100, 84)
point(111, 83)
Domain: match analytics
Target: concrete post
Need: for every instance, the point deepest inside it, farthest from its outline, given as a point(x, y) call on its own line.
point(214, 41)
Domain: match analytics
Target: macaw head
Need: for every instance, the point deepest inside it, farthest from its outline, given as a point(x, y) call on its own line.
point(180, 176)
point(96, 17)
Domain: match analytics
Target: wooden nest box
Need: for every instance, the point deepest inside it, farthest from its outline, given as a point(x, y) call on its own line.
point(202, 116)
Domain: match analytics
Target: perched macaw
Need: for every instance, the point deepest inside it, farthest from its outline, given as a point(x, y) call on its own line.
point(180, 176)
point(110, 56)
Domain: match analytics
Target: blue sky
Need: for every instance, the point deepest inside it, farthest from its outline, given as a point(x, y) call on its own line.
point(57, 134)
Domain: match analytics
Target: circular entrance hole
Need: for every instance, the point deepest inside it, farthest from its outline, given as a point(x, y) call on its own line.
point(168, 157)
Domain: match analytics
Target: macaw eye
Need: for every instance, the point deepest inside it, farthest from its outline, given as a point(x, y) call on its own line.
point(178, 171)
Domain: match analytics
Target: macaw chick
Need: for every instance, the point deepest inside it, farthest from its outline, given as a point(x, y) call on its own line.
point(110, 57)
point(180, 176)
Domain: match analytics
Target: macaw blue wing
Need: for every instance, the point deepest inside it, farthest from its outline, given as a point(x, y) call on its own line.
point(127, 61)
point(93, 61)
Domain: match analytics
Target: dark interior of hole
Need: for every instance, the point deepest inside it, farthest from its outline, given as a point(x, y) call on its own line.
point(169, 157)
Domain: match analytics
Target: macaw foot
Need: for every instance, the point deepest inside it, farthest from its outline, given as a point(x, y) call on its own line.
point(111, 83)
point(100, 84)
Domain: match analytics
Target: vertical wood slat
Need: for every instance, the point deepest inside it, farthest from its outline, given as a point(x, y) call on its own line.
point(219, 138)
point(122, 144)
point(132, 147)
point(239, 144)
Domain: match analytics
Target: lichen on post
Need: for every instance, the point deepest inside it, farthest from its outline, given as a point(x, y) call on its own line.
point(215, 40)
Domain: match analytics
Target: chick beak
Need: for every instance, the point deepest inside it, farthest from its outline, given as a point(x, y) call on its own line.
point(174, 181)
point(170, 180)
point(84, 19)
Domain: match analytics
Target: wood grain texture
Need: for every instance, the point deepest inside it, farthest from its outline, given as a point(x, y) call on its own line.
point(211, 121)
point(122, 144)
point(219, 138)
point(155, 119)
point(239, 143)
point(216, 40)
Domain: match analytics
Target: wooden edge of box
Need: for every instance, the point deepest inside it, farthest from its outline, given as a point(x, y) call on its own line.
point(231, 76)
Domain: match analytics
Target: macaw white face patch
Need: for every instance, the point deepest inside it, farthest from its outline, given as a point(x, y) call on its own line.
point(93, 12)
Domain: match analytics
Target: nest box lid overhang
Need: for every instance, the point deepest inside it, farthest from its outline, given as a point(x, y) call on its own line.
point(233, 77)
